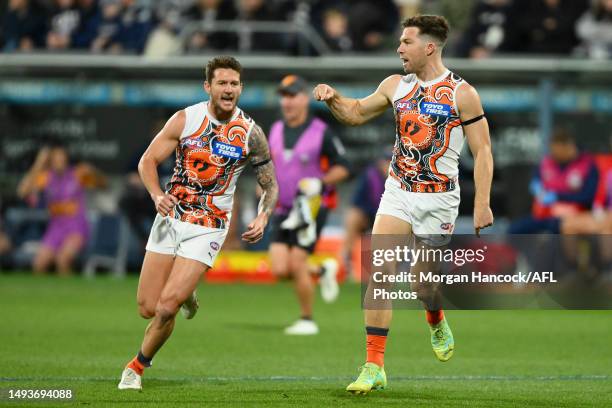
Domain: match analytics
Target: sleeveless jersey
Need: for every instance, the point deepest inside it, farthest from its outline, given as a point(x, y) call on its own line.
point(209, 158)
point(429, 136)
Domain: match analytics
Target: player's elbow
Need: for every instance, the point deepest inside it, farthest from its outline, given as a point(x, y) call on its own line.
point(349, 120)
point(146, 162)
point(358, 117)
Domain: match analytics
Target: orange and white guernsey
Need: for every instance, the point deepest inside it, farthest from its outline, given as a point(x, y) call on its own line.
point(209, 158)
point(429, 136)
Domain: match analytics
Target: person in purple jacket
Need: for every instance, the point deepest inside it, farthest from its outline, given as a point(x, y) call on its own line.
point(62, 187)
point(309, 161)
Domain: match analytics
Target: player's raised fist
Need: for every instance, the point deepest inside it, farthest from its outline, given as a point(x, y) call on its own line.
point(323, 92)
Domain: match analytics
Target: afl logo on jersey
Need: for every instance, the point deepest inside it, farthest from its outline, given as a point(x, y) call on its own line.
point(435, 109)
point(194, 143)
point(404, 106)
point(227, 150)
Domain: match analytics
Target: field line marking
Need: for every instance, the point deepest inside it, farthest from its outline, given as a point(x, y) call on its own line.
point(585, 377)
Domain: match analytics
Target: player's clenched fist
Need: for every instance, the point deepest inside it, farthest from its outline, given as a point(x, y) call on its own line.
point(483, 217)
point(324, 92)
point(164, 203)
point(255, 229)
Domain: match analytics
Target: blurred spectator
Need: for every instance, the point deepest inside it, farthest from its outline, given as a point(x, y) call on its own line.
point(372, 23)
point(125, 26)
point(594, 29)
point(309, 14)
point(109, 26)
point(366, 198)
point(356, 25)
point(90, 18)
point(565, 185)
point(64, 21)
point(206, 12)
point(458, 14)
point(408, 8)
point(62, 187)
point(250, 40)
point(335, 30)
point(599, 220)
point(24, 26)
point(486, 31)
point(164, 39)
point(543, 26)
point(592, 255)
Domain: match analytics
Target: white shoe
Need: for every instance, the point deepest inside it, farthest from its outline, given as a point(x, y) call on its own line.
point(328, 281)
point(130, 380)
point(302, 328)
point(190, 307)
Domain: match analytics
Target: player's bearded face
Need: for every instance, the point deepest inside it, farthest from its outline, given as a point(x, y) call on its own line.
point(224, 89)
point(412, 50)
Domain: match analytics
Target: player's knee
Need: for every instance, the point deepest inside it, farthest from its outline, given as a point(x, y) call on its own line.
point(280, 270)
point(165, 314)
point(297, 264)
point(166, 309)
point(39, 266)
point(63, 264)
point(146, 309)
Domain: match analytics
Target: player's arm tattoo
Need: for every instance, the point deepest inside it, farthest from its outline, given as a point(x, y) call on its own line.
point(259, 154)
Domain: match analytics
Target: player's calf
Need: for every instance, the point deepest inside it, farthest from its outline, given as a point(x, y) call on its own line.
point(429, 294)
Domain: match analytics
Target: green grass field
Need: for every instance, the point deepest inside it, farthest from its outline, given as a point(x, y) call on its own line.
point(75, 333)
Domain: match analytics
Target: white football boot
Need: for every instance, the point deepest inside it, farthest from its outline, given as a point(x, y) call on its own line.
point(130, 380)
point(302, 327)
point(190, 307)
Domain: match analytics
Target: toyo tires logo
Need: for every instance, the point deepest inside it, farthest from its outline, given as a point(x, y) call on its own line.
point(435, 109)
point(227, 150)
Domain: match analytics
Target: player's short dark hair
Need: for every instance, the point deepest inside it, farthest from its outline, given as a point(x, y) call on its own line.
point(562, 136)
point(224, 61)
point(436, 27)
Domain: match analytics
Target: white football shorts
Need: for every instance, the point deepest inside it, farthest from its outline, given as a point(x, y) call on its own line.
point(170, 236)
point(431, 215)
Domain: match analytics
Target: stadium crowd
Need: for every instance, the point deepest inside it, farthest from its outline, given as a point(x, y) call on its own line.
point(170, 27)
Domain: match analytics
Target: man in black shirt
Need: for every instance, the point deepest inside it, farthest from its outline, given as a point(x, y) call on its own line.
point(309, 160)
